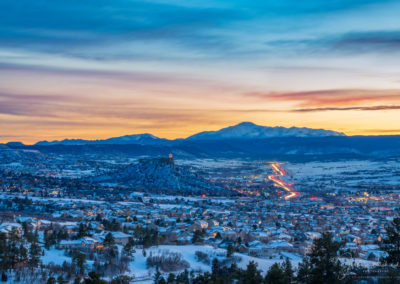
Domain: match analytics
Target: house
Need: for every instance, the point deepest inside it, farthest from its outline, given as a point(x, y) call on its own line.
point(199, 225)
point(259, 249)
point(8, 227)
point(120, 238)
point(79, 243)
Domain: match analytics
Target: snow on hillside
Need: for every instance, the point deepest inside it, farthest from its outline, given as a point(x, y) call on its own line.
point(347, 174)
point(141, 139)
point(157, 173)
point(249, 130)
point(139, 269)
point(245, 130)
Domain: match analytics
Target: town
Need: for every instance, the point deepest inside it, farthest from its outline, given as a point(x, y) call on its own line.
point(82, 224)
point(199, 142)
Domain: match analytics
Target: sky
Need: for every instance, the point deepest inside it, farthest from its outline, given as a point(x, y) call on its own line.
point(98, 69)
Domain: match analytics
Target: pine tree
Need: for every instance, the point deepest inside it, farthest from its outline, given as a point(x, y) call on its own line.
point(60, 280)
point(197, 237)
point(251, 275)
point(27, 233)
point(391, 244)
point(322, 262)
point(13, 248)
point(215, 268)
point(77, 280)
point(47, 239)
point(304, 271)
point(275, 275)
point(171, 278)
point(129, 247)
point(23, 252)
point(94, 278)
point(288, 271)
point(109, 240)
point(4, 251)
point(51, 280)
point(157, 277)
point(79, 259)
point(185, 277)
point(34, 251)
point(81, 231)
point(230, 250)
point(4, 277)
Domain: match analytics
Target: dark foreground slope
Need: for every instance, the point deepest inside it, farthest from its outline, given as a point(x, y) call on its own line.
point(158, 174)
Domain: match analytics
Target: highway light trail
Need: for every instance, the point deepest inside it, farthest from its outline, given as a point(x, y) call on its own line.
point(280, 172)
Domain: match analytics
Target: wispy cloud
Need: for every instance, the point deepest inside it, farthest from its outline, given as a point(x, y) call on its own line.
point(356, 42)
point(370, 108)
point(334, 97)
point(88, 111)
point(94, 29)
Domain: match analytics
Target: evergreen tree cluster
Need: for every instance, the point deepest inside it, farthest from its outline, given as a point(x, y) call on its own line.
point(112, 225)
point(19, 249)
point(53, 236)
point(321, 264)
point(146, 237)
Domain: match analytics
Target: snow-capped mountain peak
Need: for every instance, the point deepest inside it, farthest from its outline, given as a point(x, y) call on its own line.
point(243, 130)
point(249, 130)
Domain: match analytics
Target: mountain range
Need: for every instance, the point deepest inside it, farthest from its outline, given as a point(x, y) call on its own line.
point(244, 140)
point(140, 139)
point(244, 130)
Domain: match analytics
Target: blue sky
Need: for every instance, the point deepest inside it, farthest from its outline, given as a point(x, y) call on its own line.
point(162, 63)
point(235, 27)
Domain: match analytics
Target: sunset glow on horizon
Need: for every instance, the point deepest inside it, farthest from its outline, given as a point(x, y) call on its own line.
point(100, 69)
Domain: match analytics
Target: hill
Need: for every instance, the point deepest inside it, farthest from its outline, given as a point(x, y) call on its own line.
point(158, 175)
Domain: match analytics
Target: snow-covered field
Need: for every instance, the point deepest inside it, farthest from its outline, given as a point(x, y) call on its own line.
point(139, 270)
point(54, 256)
point(212, 163)
point(345, 174)
point(143, 274)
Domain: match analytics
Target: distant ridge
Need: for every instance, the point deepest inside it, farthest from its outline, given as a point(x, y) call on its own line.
point(141, 139)
point(273, 148)
point(244, 130)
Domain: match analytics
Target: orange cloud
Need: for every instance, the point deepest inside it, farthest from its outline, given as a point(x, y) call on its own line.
point(368, 108)
point(334, 97)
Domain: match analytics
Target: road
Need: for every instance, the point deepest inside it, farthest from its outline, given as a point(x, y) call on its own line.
point(280, 172)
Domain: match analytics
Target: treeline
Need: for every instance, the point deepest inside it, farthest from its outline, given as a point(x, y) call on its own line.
point(19, 248)
point(320, 265)
point(93, 277)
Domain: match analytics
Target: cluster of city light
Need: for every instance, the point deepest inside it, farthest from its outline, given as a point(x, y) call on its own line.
point(365, 198)
point(280, 172)
point(241, 191)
